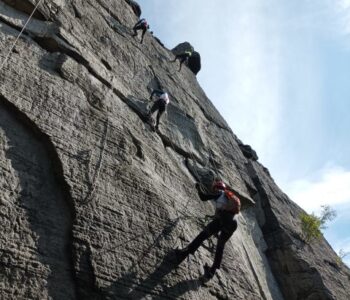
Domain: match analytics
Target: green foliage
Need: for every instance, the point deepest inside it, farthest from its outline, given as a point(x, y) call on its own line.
point(327, 214)
point(342, 254)
point(312, 224)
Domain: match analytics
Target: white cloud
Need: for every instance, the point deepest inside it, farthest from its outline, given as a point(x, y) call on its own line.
point(263, 64)
point(342, 9)
point(252, 97)
point(331, 188)
point(344, 4)
point(273, 69)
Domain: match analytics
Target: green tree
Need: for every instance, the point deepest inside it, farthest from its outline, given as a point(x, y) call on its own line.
point(327, 214)
point(341, 255)
point(311, 224)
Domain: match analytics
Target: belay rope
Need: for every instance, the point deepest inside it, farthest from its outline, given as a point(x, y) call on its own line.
point(94, 182)
point(182, 227)
point(91, 193)
point(19, 35)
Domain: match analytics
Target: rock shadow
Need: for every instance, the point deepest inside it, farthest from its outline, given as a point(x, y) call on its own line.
point(41, 204)
point(130, 286)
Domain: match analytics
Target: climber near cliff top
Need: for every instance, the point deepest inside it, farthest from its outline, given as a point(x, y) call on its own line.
point(225, 223)
point(182, 57)
point(162, 100)
point(141, 25)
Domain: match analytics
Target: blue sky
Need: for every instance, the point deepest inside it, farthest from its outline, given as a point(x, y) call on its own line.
point(278, 71)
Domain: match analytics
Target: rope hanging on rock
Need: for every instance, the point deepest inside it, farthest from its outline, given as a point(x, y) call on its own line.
point(19, 35)
point(94, 182)
point(90, 195)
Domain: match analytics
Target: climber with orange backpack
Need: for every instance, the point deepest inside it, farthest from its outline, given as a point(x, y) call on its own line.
point(224, 223)
point(162, 100)
point(141, 25)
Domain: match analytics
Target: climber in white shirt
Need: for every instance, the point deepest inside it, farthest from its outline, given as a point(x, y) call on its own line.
point(162, 100)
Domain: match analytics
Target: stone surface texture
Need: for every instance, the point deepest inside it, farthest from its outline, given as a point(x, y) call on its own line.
point(92, 201)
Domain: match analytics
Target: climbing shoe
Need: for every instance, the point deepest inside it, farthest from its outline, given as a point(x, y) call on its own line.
point(208, 272)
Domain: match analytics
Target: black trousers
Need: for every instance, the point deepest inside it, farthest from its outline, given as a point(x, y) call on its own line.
point(159, 105)
point(139, 27)
point(225, 225)
point(182, 57)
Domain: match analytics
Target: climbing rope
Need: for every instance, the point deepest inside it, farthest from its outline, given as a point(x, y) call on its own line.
point(173, 147)
point(91, 193)
point(213, 162)
point(198, 177)
point(211, 158)
point(196, 293)
point(19, 35)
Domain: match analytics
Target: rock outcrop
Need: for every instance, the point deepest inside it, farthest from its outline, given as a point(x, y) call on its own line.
point(194, 62)
point(93, 202)
point(135, 7)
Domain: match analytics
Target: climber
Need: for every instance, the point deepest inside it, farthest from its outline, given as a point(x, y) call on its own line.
point(141, 25)
point(182, 57)
point(224, 223)
point(162, 100)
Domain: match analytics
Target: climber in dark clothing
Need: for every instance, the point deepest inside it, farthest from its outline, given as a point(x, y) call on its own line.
point(141, 25)
point(182, 57)
point(162, 100)
point(224, 223)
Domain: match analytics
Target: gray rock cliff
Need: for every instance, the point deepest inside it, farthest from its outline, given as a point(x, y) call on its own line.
point(92, 201)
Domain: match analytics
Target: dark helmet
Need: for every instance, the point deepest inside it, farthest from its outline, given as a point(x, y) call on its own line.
point(220, 185)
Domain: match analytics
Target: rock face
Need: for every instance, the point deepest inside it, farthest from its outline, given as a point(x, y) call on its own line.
point(247, 151)
point(194, 62)
point(135, 7)
point(92, 201)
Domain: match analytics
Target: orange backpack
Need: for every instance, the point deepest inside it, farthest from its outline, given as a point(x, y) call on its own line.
point(234, 204)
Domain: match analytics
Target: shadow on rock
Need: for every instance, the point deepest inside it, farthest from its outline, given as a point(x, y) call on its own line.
point(131, 287)
point(42, 206)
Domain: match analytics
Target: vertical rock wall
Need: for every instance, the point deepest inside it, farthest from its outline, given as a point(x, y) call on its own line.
point(35, 218)
point(93, 201)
